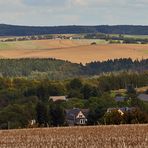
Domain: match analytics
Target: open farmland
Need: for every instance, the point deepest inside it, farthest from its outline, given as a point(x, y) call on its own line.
point(72, 50)
point(122, 136)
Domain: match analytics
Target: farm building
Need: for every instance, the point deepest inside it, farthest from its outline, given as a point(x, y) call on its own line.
point(76, 116)
point(143, 97)
point(57, 98)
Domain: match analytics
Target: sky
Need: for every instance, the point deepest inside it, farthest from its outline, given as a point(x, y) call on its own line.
point(74, 12)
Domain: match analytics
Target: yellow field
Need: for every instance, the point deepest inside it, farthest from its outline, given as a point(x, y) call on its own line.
point(123, 136)
point(72, 50)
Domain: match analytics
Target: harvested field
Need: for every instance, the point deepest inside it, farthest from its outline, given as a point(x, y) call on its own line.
point(75, 51)
point(123, 136)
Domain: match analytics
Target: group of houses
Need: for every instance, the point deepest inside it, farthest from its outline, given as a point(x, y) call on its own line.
point(77, 116)
point(122, 110)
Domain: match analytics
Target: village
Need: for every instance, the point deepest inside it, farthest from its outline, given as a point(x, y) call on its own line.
point(79, 116)
point(43, 37)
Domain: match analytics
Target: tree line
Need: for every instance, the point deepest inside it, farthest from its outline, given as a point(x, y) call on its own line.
point(117, 38)
point(57, 69)
point(13, 30)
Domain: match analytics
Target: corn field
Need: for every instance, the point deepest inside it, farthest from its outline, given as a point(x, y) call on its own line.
point(121, 136)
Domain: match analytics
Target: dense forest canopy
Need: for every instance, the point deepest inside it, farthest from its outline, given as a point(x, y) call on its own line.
point(22, 100)
point(57, 69)
point(27, 84)
point(12, 30)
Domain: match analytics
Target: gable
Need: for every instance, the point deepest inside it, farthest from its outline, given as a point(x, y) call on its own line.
point(80, 115)
point(76, 113)
point(121, 112)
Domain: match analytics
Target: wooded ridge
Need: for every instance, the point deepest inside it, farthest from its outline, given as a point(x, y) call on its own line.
point(14, 30)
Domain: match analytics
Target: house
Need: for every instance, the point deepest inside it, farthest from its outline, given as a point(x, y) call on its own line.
point(143, 97)
point(120, 99)
point(109, 110)
point(121, 110)
point(57, 98)
point(70, 38)
point(76, 116)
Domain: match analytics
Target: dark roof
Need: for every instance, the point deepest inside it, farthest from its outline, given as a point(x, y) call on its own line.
point(111, 109)
point(143, 97)
point(123, 109)
point(72, 113)
point(119, 98)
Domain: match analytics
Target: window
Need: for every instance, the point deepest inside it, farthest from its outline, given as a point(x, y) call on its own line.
point(80, 116)
point(82, 121)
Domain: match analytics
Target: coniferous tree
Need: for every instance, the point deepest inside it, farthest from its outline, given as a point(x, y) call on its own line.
point(41, 114)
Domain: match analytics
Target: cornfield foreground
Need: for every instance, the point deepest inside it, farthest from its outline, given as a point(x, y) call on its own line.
point(123, 136)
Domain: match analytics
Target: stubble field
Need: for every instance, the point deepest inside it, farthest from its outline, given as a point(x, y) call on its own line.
point(122, 136)
point(75, 51)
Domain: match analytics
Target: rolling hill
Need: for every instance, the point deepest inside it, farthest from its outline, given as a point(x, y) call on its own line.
point(76, 51)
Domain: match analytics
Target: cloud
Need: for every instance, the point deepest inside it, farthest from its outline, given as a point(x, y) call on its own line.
point(48, 3)
point(64, 12)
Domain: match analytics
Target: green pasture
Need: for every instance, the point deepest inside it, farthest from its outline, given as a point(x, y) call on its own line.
point(19, 45)
point(131, 36)
point(6, 45)
point(98, 41)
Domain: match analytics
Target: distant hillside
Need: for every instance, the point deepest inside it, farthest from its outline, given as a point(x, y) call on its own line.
point(57, 69)
point(12, 30)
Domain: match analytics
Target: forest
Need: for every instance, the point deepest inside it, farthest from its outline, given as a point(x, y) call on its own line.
point(12, 30)
point(58, 70)
point(27, 84)
point(23, 99)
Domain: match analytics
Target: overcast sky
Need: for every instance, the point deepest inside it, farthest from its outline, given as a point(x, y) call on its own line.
point(73, 12)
